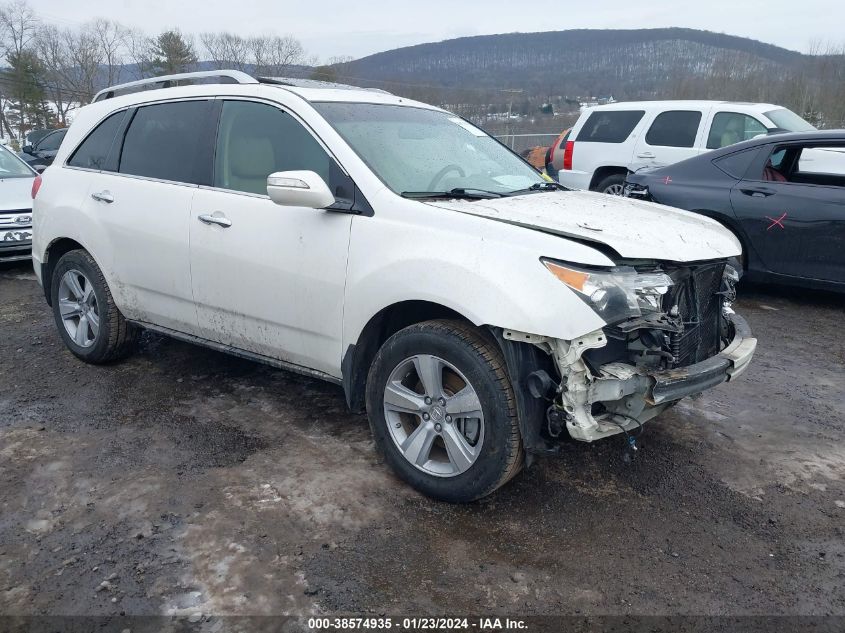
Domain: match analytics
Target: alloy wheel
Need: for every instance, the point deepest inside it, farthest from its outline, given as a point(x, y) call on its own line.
point(78, 308)
point(434, 415)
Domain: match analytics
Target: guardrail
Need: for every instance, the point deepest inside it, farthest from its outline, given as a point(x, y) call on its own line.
point(521, 142)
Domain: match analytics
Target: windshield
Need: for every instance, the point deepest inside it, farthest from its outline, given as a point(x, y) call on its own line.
point(788, 121)
point(418, 151)
point(13, 167)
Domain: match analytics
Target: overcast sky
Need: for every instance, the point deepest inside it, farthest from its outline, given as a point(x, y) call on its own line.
point(348, 27)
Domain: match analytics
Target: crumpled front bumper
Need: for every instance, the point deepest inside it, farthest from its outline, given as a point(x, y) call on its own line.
point(631, 396)
point(731, 362)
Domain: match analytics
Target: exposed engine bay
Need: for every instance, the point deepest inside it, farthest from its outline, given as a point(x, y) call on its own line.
point(679, 337)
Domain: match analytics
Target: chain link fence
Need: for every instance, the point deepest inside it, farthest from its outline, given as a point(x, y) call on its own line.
point(522, 142)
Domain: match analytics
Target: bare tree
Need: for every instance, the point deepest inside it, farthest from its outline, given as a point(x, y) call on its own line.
point(138, 45)
point(18, 27)
point(280, 54)
point(52, 50)
point(261, 55)
point(112, 39)
point(226, 50)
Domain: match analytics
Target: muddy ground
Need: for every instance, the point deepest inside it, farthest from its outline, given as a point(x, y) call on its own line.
point(184, 481)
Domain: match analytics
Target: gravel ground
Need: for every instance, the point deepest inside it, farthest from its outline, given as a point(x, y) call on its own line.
point(184, 481)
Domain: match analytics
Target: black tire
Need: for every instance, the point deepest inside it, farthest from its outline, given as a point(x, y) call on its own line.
point(116, 338)
point(480, 361)
point(612, 181)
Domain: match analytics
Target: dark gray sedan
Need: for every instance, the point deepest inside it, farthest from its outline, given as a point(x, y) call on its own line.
point(783, 196)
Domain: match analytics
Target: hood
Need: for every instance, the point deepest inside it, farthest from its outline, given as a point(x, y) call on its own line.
point(633, 228)
point(15, 194)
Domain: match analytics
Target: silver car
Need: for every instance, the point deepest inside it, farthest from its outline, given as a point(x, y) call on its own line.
point(16, 183)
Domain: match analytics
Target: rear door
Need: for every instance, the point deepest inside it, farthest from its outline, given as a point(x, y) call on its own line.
point(142, 199)
point(269, 279)
point(796, 225)
point(671, 137)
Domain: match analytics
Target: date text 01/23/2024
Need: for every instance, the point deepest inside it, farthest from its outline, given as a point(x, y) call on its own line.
point(417, 624)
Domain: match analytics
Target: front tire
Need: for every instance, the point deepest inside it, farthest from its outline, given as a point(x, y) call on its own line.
point(90, 324)
point(442, 411)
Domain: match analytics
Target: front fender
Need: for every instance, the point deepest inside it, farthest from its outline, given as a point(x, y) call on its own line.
point(489, 272)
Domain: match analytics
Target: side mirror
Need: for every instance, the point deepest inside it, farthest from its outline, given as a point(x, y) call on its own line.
point(27, 149)
point(299, 189)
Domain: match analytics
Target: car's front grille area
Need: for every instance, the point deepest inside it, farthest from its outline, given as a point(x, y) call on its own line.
point(699, 304)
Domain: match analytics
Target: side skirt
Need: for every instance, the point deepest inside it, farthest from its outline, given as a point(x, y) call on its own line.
point(240, 353)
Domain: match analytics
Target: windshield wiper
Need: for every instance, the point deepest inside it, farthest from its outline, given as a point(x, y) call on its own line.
point(465, 193)
point(539, 186)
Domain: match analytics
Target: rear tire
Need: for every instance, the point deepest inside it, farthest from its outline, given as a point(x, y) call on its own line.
point(613, 185)
point(90, 324)
point(443, 454)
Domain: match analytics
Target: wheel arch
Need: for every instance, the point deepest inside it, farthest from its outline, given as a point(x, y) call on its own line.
point(603, 172)
point(52, 254)
point(521, 359)
point(358, 356)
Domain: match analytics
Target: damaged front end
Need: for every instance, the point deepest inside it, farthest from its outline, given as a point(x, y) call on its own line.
point(672, 333)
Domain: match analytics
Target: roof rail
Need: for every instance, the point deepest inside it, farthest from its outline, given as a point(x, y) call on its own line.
point(296, 82)
point(237, 76)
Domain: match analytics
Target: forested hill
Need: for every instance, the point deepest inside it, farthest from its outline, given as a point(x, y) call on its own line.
point(622, 63)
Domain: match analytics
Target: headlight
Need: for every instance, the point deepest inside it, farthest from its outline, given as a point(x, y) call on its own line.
point(614, 294)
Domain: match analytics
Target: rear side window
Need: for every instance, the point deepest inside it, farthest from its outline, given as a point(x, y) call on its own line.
point(165, 141)
point(94, 151)
point(674, 129)
point(610, 126)
point(736, 165)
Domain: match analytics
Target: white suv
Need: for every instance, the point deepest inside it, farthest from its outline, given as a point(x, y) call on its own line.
point(477, 311)
point(608, 142)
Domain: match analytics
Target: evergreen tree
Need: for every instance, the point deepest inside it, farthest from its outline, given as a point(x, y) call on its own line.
point(25, 79)
point(172, 53)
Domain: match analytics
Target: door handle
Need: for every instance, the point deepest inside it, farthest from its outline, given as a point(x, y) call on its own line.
point(215, 219)
point(758, 193)
point(103, 196)
point(645, 155)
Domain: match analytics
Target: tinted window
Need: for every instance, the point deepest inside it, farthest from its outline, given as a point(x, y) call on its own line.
point(610, 126)
point(674, 129)
point(737, 164)
point(51, 141)
point(255, 140)
point(164, 140)
point(731, 127)
point(94, 151)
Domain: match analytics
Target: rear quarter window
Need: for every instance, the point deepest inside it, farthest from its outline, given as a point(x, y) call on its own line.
point(613, 126)
point(94, 150)
point(736, 165)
